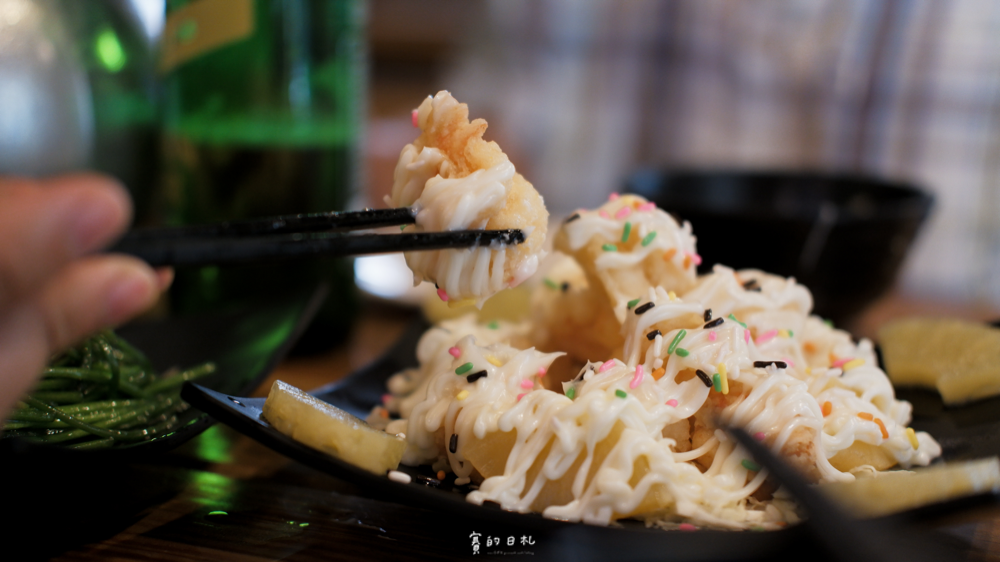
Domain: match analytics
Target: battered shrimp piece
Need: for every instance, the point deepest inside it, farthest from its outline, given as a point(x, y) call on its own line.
point(571, 316)
point(458, 181)
point(628, 246)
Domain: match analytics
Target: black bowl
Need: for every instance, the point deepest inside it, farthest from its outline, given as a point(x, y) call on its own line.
point(842, 236)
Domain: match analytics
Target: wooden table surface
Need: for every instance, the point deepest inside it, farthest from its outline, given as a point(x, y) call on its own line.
point(223, 496)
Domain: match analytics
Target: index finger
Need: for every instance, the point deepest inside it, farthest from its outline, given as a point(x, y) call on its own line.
point(46, 224)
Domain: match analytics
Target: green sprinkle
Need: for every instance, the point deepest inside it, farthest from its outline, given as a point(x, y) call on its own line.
point(217, 513)
point(648, 238)
point(621, 393)
point(750, 465)
point(551, 284)
point(791, 334)
point(609, 248)
point(303, 524)
point(627, 231)
point(632, 303)
point(717, 382)
point(402, 228)
point(493, 325)
point(828, 322)
point(734, 319)
point(681, 352)
point(571, 392)
point(464, 369)
point(677, 339)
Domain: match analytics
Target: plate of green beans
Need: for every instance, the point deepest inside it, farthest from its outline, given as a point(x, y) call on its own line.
point(120, 390)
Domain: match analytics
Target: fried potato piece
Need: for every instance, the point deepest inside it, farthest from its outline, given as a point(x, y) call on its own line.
point(960, 359)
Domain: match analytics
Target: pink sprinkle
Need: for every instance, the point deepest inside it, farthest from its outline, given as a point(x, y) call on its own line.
point(623, 212)
point(386, 398)
point(746, 336)
point(613, 197)
point(442, 295)
point(686, 527)
point(646, 206)
point(672, 402)
point(788, 361)
point(695, 258)
point(766, 336)
point(606, 365)
point(414, 116)
point(542, 371)
point(455, 352)
point(637, 378)
point(527, 384)
point(520, 396)
point(603, 214)
point(760, 436)
point(840, 362)
point(711, 336)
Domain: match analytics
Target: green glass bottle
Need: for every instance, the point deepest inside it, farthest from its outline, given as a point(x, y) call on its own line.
point(263, 116)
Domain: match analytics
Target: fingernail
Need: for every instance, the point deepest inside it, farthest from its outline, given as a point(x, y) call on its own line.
point(93, 224)
point(128, 296)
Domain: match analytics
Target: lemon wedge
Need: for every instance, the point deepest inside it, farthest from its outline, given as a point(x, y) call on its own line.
point(331, 430)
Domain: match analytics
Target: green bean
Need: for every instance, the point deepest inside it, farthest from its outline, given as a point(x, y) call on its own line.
point(178, 379)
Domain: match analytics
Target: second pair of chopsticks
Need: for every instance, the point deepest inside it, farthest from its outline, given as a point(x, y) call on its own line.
point(296, 236)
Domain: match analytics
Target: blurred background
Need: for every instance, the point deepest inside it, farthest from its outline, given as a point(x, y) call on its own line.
point(579, 93)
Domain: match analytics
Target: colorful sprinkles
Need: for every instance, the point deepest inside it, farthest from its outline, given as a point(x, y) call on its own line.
point(677, 340)
point(637, 377)
point(652, 335)
point(723, 378)
point(621, 393)
point(455, 352)
point(734, 319)
point(464, 368)
point(765, 364)
point(912, 436)
point(453, 443)
point(681, 352)
point(827, 408)
point(476, 376)
point(632, 303)
point(606, 365)
point(442, 295)
point(704, 377)
point(672, 403)
point(551, 284)
point(609, 248)
point(571, 392)
point(415, 118)
point(750, 465)
point(713, 323)
point(766, 337)
point(658, 373)
point(644, 308)
point(626, 231)
point(647, 239)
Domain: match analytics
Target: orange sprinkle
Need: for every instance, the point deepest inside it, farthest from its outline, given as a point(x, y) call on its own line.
point(866, 416)
point(384, 413)
point(687, 262)
point(809, 347)
point(657, 373)
point(885, 433)
point(827, 408)
point(669, 254)
point(441, 475)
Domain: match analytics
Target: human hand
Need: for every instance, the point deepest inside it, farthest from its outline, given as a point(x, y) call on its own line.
point(54, 290)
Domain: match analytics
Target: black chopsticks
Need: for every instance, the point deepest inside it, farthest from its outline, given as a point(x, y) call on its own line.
point(296, 236)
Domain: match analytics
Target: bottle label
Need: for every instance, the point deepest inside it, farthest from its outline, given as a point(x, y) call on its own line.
point(203, 26)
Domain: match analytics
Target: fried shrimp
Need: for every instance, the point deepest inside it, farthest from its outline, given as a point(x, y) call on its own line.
point(458, 181)
point(628, 246)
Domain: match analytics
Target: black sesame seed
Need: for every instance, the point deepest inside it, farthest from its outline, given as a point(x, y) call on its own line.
point(708, 314)
point(763, 364)
point(564, 287)
point(453, 444)
point(572, 218)
point(644, 308)
point(476, 376)
point(704, 377)
point(714, 323)
point(652, 335)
